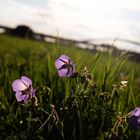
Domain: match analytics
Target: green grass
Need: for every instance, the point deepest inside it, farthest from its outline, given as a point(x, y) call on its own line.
point(36, 60)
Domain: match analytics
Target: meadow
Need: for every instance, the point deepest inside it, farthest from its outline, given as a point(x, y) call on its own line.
point(93, 104)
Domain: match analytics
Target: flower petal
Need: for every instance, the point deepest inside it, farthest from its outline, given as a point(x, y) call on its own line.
point(32, 92)
point(61, 61)
point(26, 80)
point(62, 72)
point(19, 96)
point(58, 63)
point(64, 58)
point(70, 72)
point(72, 67)
point(134, 118)
point(26, 98)
point(133, 121)
point(65, 72)
point(137, 111)
point(18, 85)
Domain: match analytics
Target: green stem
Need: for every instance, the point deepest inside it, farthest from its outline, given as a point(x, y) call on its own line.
point(44, 123)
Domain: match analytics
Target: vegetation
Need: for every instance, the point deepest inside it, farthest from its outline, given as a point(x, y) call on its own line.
point(93, 104)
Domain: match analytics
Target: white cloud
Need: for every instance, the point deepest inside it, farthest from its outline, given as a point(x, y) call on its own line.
point(79, 19)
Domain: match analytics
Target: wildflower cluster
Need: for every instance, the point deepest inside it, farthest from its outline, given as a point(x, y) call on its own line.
point(84, 106)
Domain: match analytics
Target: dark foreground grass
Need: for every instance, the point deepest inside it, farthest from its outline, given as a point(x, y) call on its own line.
point(84, 107)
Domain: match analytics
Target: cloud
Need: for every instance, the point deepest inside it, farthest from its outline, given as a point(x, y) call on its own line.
point(78, 19)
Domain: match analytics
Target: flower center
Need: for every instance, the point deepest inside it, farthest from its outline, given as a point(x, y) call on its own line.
point(66, 65)
point(26, 91)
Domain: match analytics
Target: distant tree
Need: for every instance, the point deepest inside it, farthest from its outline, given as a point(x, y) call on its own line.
point(22, 31)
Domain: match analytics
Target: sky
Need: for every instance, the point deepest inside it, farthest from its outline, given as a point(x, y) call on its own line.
point(77, 19)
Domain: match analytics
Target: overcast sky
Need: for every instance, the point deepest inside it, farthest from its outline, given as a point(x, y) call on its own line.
point(76, 19)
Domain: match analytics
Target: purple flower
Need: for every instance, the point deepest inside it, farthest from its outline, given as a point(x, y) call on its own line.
point(134, 118)
point(23, 88)
point(64, 66)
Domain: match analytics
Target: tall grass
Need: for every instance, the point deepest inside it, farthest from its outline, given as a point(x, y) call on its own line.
point(87, 120)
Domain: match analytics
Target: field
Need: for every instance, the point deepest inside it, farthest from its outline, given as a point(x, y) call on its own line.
point(93, 104)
